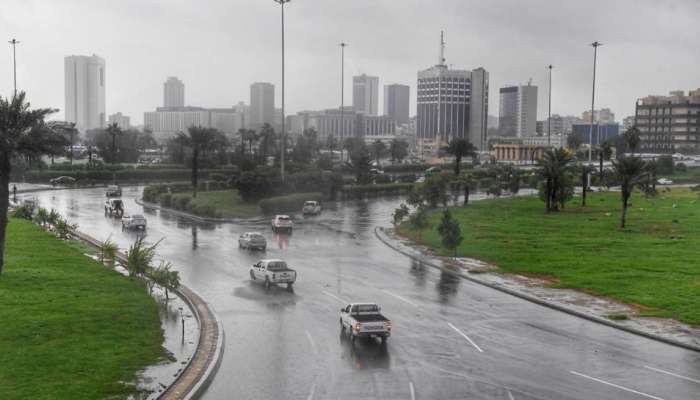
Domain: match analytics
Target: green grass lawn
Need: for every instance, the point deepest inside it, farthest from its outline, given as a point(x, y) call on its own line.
point(226, 202)
point(69, 327)
point(652, 264)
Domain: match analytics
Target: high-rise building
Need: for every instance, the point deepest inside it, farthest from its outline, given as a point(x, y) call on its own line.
point(518, 110)
point(669, 124)
point(452, 104)
point(365, 94)
point(122, 121)
point(173, 93)
point(85, 91)
point(604, 116)
point(262, 104)
point(396, 102)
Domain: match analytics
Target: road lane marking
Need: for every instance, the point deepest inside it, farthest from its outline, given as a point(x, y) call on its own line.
point(413, 392)
point(313, 391)
point(510, 395)
point(466, 337)
point(672, 374)
point(616, 386)
point(335, 297)
point(405, 300)
point(311, 342)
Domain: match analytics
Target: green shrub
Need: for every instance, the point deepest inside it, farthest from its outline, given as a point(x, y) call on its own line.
point(24, 211)
point(204, 210)
point(355, 191)
point(181, 201)
point(166, 199)
point(292, 202)
point(124, 174)
point(218, 177)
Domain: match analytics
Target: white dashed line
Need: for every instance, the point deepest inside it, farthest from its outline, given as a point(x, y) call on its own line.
point(405, 300)
point(311, 342)
point(466, 337)
point(411, 390)
point(335, 297)
point(313, 391)
point(672, 374)
point(510, 396)
point(617, 386)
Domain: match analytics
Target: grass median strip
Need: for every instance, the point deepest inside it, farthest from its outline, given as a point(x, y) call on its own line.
point(651, 265)
point(70, 328)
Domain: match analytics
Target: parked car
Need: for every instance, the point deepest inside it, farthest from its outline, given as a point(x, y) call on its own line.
point(136, 221)
point(664, 181)
point(282, 223)
point(113, 191)
point(311, 207)
point(114, 207)
point(273, 272)
point(364, 320)
point(62, 180)
point(252, 240)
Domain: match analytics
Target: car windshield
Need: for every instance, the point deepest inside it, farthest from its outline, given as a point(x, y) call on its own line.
point(310, 203)
point(137, 216)
point(256, 236)
point(365, 308)
point(276, 266)
point(283, 218)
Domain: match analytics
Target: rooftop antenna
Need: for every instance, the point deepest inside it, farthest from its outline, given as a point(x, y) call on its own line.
point(441, 60)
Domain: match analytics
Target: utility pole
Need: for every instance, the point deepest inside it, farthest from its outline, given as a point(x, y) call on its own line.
point(341, 130)
point(284, 133)
point(14, 43)
point(549, 118)
point(590, 131)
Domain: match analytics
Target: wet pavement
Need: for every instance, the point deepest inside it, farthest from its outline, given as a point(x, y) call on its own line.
point(452, 339)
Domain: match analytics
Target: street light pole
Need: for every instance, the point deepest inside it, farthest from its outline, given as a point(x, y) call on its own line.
point(549, 118)
point(284, 133)
point(590, 131)
point(14, 43)
point(341, 130)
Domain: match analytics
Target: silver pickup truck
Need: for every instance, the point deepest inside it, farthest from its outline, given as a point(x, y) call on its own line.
point(364, 320)
point(273, 272)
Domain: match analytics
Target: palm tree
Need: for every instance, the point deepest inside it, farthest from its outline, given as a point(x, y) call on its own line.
point(630, 172)
point(267, 140)
point(16, 123)
point(332, 143)
point(250, 136)
point(459, 148)
point(604, 154)
point(631, 137)
point(114, 130)
point(378, 149)
point(468, 183)
point(200, 139)
point(585, 171)
point(554, 166)
point(181, 141)
point(398, 149)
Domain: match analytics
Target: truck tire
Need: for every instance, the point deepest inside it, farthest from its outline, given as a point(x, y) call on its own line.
point(267, 283)
point(252, 275)
point(290, 287)
point(383, 340)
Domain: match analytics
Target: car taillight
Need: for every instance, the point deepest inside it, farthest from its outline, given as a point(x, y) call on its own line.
point(357, 327)
point(388, 325)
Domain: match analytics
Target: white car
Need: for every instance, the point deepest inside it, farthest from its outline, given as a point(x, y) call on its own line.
point(282, 223)
point(273, 272)
point(252, 240)
point(136, 221)
point(664, 181)
point(311, 208)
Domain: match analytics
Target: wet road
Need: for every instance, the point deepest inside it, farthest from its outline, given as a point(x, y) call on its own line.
point(452, 339)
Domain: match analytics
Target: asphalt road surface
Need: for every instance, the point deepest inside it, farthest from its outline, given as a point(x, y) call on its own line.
point(452, 339)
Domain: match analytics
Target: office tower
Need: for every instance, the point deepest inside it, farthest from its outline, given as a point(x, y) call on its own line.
point(396, 102)
point(479, 108)
point(604, 115)
point(122, 121)
point(262, 104)
point(365, 94)
point(669, 124)
point(173, 93)
point(85, 91)
point(518, 110)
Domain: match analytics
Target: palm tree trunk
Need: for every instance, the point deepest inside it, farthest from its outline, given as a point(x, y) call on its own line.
point(584, 187)
point(195, 167)
point(114, 149)
point(458, 160)
point(466, 194)
point(601, 170)
point(5, 169)
point(624, 209)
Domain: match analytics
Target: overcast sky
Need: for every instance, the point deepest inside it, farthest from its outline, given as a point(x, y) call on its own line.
point(219, 47)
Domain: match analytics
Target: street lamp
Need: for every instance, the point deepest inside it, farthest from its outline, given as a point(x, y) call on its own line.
point(590, 131)
point(342, 96)
point(549, 118)
point(182, 318)
point(284, 133)
point(14, 43)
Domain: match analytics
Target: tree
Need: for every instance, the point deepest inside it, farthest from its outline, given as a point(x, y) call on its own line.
point(434, 189)
point(586, 170)
point(199, 139)
point(450, 232)
point(604, 154)
point(378, 149)
point(139, 257)
point(361, 163)
point(573, 142)
point(631, 172)
point(631, 137)
point(399, 214)
point(468, 183)
point(166, 278)
point(114, 131)
point(268, 140)
point(554, 169)
point(459, 148)
point(398, 149)
point(419, 220)
point(332, 143)
point(176, 147)
point(248, 135)
point(17, 121)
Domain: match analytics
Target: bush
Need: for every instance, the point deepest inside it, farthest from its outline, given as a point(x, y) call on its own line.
point(204, 210)
point(124, 174)
point(181, 201)
point(292, 202)
point(166, 199)
point(24, 211)
point(665, 165)
point(381, 179)
point(406, 167)
point(681, 167)
point(357, 191)
point(218, 177)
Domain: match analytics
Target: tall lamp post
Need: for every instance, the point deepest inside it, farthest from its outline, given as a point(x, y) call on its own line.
point(14, 43)
point(549, 117)
point(342, 98)
point(284, 132)
point(590, 131)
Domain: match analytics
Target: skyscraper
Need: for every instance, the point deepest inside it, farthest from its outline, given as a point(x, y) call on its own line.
point(396, 102)
point(262, 104)
point(452, 103)
point(173, 93)
point(518, 110)
point(365, 94)
point(85, 91)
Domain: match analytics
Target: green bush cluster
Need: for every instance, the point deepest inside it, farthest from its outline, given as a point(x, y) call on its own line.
point(125, 174)
point(356, 191)
point(292, 202)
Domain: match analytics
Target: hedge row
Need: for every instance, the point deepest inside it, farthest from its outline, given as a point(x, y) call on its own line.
point(154, 193)
point(292, 202)
point(125, 175)
point(357, 191)
point(67, 167)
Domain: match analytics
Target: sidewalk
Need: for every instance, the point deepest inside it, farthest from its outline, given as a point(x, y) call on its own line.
point(595, 309)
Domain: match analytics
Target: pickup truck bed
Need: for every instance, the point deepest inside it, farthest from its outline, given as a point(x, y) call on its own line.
point(369, 317)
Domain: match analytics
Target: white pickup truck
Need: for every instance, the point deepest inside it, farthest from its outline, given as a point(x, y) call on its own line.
point(273, 272)
point(364, 320)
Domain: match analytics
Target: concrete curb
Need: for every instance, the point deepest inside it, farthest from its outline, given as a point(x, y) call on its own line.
point(199, 371)
point(382, 236)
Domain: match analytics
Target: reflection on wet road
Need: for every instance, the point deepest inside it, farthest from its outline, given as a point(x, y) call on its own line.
point(282, 345)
